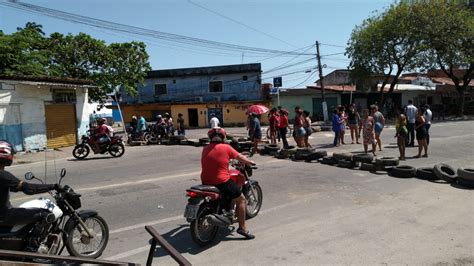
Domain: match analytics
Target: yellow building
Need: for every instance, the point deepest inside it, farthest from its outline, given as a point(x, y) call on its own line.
point(196, 115)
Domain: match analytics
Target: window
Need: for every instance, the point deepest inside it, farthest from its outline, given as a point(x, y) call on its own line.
point(245, 78)
point(160, 89)
point(215, 86)
point(64, 96)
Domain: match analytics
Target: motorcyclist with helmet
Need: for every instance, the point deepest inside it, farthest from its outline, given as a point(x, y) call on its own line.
point(101, 135)
point(10, 216)
point(215, 171)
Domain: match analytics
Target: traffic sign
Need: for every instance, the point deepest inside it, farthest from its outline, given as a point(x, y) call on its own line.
point(277, 82)
point(273, 90)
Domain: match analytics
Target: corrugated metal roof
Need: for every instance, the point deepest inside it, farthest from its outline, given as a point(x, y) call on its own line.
point(408, 87)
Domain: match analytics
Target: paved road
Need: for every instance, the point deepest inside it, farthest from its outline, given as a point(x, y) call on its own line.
point(312, 213)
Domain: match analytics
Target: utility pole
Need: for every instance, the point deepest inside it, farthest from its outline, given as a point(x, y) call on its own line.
point(321, 77)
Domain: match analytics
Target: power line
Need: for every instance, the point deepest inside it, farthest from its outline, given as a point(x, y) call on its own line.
point(238, 22)
point(332, 45)
point(118, 27)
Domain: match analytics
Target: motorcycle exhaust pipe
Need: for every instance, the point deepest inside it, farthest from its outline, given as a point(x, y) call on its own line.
point(218, 220)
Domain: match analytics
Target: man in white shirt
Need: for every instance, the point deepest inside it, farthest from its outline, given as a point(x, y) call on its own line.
point(214, 122)
point(428, 118)
point(410, 112)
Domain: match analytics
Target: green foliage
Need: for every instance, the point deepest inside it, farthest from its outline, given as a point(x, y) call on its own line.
point(385, 43)
point(29, 52)
point(415, 35)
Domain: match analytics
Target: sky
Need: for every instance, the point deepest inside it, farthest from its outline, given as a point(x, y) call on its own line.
point(284, 25)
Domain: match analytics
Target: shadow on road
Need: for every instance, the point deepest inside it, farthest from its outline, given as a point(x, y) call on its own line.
point(89, 159)
point(180, 239)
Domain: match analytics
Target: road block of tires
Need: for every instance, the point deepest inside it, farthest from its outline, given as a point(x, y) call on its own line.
point(367, 162)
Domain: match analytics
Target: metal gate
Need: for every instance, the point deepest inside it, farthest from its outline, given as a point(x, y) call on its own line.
point(60, 125)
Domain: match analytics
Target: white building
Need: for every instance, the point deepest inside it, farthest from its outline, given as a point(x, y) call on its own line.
point(36, 113)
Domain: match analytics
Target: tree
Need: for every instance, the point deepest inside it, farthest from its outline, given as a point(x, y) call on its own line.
point(29, 52)
point(23, 52)
point(385, 43)
point(448, 33)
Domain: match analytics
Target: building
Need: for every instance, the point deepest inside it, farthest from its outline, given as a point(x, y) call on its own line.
point(226, 91)
point(40, 112)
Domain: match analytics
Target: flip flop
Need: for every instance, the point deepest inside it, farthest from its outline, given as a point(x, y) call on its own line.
point(246, 234)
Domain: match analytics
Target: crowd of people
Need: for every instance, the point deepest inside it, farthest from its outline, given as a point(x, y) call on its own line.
point(370, 124)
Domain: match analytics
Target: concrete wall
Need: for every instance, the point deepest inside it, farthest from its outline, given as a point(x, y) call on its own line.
point(22, 114)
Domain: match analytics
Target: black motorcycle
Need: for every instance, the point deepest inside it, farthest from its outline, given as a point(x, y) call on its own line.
point(84, 233)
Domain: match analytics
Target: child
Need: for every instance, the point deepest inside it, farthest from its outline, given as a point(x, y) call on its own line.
point(401, 132)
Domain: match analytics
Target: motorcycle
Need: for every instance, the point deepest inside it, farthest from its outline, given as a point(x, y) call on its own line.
point(84, 233)
point(115, 147)
point(133, 135)
point(206, 204)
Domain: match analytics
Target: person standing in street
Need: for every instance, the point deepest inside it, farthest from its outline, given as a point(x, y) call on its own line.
point(428, 118)
point(282, 126)
point(353, 119)
point(272, 125)
point(410, 113)
point(307, 129)
point(141, 125)
point(255, 132)
point(299, 132)
point(336, 127)
point(401, 134)
point(379, 120)
point(421, 134)
point(368, 131)
point(180, 121)
point(214, 122)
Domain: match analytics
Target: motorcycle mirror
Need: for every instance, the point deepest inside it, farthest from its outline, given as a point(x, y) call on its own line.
point(63, 172)
point(29, 176)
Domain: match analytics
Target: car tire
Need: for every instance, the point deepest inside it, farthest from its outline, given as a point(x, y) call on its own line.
point(368, 167)
point(304, 150)
point(469, 183)
point(403, 171)
point(466, 173)
point(445, 172)
point(363, 158)
point(345, 164)
point(315, 155)
point(426, 173)
point(290, 150)
point(328, 160)
point(342, 156)
point(387, 161)
point(272, 147)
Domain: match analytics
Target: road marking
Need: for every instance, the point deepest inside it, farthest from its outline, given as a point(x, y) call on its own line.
point(143, 181)
point(142, 225)
point(129, 253)
point(142, 249)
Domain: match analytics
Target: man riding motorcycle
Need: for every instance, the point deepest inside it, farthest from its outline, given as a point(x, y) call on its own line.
point(101, 134)
point(215, 171)
point(10, 216)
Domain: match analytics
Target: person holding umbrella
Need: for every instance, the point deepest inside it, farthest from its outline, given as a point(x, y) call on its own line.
point(255, 131)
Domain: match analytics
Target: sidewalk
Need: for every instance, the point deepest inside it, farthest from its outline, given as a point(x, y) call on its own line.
point(41, 156)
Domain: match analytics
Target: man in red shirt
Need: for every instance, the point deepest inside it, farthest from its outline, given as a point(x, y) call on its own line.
point(101, 135)
point(215, 171)
point(282, 125)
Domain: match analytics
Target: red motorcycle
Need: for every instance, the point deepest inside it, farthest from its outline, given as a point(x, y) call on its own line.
point(114, 146)
point(206, 204)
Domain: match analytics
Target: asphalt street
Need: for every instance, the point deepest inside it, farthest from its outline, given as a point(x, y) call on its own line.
point(311, 214)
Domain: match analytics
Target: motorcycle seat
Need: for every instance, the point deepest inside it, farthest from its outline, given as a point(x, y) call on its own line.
point(206, 188)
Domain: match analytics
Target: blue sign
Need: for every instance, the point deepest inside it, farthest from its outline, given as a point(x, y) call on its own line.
point(277, 82)
point(273, 90)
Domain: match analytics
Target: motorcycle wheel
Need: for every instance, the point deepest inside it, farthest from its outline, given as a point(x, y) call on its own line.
point(254, 197)
point(80, 245)
point(202, 232)
point(116, 149)
point(80, 152)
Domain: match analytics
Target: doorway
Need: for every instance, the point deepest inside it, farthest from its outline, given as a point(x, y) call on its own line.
point(193, 117)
